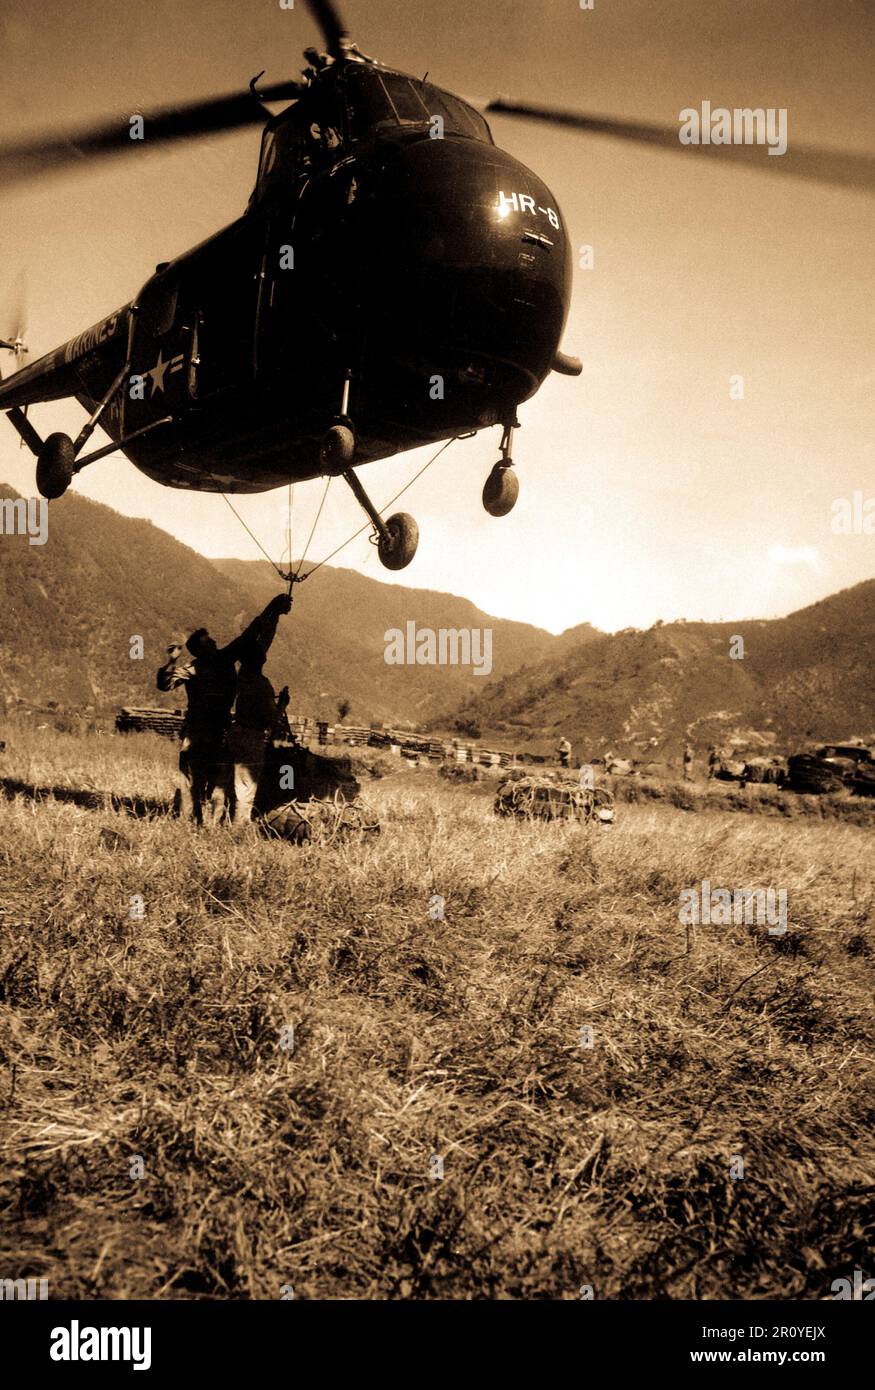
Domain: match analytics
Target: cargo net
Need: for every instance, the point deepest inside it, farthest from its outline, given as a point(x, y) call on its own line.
point(539, 798)
point(320, 820)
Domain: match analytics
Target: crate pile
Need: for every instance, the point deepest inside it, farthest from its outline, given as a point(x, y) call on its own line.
point(142, 719)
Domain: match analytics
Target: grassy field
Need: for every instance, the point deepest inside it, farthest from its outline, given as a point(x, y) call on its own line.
point(435, 1126)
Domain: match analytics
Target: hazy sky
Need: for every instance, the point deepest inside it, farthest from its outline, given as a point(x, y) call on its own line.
point(646, 492)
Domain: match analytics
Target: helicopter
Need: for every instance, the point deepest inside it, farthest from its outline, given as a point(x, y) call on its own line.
point(395, 280)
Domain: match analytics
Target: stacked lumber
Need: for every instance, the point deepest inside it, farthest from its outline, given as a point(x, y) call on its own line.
point(142, 719)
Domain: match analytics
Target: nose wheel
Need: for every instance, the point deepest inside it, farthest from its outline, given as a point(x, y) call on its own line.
point(502, 487)
point(501, 490)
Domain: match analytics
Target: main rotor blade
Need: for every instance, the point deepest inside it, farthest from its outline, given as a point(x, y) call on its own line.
point(334, 32)
point(42, 155)
point(821, 166)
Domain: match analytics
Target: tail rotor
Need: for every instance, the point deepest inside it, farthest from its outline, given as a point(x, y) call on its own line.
point(15, 343)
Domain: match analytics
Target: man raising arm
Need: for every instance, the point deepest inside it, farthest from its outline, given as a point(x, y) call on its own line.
point(211, 684)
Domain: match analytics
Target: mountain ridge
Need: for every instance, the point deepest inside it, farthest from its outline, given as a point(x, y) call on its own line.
point(72, 607)
point(803, 677)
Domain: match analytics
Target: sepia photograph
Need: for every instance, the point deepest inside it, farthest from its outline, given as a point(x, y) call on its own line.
point(437, 715)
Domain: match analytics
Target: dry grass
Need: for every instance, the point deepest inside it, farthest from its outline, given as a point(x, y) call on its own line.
point(754, 799)
point(312, 1167)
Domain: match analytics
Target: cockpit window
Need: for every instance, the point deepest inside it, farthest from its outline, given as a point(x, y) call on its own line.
point(385, 101)
point(156, 308)
point(302, 141)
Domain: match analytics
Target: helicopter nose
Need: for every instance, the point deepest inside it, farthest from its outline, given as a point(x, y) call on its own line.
point(469, 263)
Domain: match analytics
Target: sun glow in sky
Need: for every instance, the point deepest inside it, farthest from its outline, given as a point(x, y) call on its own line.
point(647, 490)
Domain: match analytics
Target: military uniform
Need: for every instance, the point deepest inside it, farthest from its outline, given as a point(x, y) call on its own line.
point(210, 681)
point(254, 718)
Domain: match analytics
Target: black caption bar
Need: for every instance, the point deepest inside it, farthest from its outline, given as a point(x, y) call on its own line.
point(88, 1340)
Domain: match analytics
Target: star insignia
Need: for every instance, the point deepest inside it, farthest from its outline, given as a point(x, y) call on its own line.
point(157, 374)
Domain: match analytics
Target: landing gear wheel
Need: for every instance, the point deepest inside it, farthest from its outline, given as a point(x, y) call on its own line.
point(400, 548)
point(500, 491)
point(54, 466)
point(337, 449)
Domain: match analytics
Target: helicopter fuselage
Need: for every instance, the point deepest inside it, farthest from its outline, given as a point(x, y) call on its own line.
point(431, 270)
point(405, 254)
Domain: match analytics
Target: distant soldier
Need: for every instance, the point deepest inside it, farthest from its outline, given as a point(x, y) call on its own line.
point(713, 761)
point(564, 751)
point(210, 681)
point(688, 763)
point(282, 729)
